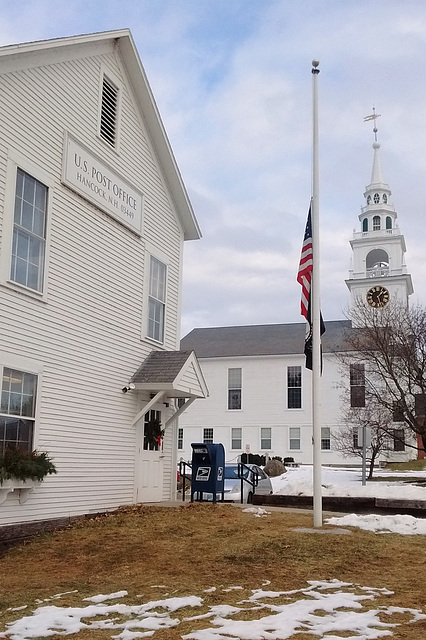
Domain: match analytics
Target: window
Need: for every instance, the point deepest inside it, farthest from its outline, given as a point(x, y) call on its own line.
point(17, 410)
point(152, 441)
point(376, 199)
point(420, 404)
point(385, 199)
point(376, 223)
point(365, 224)
point(234, 388)
point(294, 387)
point(236, 437)
point(398, 439)
point(265, 438)
point(157, 299)
point(208, 435)
point(325, 438)
point(357, 385)
point(294, 433)
point(109, 110)
point(357, 441)
point(368, 199)
point(180, 439)
point(388, 222)
point(397, 412)
point(29, 232)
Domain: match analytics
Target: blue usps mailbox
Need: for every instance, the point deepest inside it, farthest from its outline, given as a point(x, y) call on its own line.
point(208, 462)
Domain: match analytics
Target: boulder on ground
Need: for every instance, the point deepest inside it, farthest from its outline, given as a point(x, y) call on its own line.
point(274, 468)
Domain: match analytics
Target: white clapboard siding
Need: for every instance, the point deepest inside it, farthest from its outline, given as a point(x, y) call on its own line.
point(87, 334)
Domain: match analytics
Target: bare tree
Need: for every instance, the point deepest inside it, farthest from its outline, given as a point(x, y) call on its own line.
point(371, 420)
point(386, 348)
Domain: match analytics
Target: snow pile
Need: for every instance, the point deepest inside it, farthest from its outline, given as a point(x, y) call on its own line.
point(404, 525)
point(322, 609)
point(297, 481)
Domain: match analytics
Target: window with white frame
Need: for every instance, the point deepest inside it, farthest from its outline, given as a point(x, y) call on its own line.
point(236, 437)
point(109, 112)
point(234, 388)
point(265, 438)
point(294, 387)
point(208, 435)
point(325, 438)
point(157, 299)
point(29, 232)
point(180, 439)
point(294, 438)
point(17, 410)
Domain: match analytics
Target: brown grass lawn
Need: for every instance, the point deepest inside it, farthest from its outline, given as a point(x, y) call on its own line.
point(150, 551)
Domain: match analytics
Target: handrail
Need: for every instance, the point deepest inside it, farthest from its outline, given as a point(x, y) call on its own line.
point(241, 467)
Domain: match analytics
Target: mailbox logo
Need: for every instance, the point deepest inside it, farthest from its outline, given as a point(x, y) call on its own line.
point(219, 473)
point(203, 474)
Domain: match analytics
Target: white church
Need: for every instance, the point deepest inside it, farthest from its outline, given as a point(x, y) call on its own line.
point(259, 389)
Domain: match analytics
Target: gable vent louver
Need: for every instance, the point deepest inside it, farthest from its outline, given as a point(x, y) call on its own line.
point(108, 129)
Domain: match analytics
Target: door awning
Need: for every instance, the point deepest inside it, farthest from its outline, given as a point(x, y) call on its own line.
point(176, 373)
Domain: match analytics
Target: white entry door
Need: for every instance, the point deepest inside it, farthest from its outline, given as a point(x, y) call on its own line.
point(149, 477)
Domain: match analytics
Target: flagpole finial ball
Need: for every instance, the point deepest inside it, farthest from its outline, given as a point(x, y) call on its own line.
point(315, 63)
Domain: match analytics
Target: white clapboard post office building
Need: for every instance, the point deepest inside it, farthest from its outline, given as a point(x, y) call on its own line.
point(260, 390)
point(93, 218)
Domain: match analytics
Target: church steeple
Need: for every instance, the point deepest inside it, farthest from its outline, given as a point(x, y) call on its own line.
point(379, 272)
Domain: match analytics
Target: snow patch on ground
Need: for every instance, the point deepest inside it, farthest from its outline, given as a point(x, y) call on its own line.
point(322, 609)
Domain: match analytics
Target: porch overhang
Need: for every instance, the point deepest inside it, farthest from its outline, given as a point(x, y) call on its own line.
point(166, 375)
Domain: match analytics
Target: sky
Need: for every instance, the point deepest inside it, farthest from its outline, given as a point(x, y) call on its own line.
point(232, 80)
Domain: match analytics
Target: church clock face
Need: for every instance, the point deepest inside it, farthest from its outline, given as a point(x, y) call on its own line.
point(378, 296)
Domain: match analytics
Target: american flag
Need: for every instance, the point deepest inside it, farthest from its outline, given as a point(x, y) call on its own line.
point(304, 275)
point(304, 278)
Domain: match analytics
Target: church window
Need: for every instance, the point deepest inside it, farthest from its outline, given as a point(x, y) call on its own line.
point(294, 387)
point(388, 222)
point(365, 224)
point(368, 199)
point(385, 198)
point(357, 384)
point(376, 223)
point(376, 198)
point(234, 388)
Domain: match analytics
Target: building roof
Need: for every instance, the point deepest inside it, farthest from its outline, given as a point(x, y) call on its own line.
point(261, 340)
point(32, 54)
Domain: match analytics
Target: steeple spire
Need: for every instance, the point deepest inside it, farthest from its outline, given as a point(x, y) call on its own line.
point(378, 272)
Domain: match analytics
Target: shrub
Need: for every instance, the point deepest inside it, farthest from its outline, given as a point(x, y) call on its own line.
point(22, 465)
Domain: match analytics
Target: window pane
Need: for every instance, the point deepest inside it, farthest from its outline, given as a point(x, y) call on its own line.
point(294, 398)
point(234, 399)
point(234, 378)
point(325, 438)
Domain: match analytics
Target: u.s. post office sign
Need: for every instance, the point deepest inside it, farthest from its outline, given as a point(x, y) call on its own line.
point(94, 180)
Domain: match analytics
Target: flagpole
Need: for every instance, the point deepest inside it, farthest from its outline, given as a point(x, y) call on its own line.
point(315, 302)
